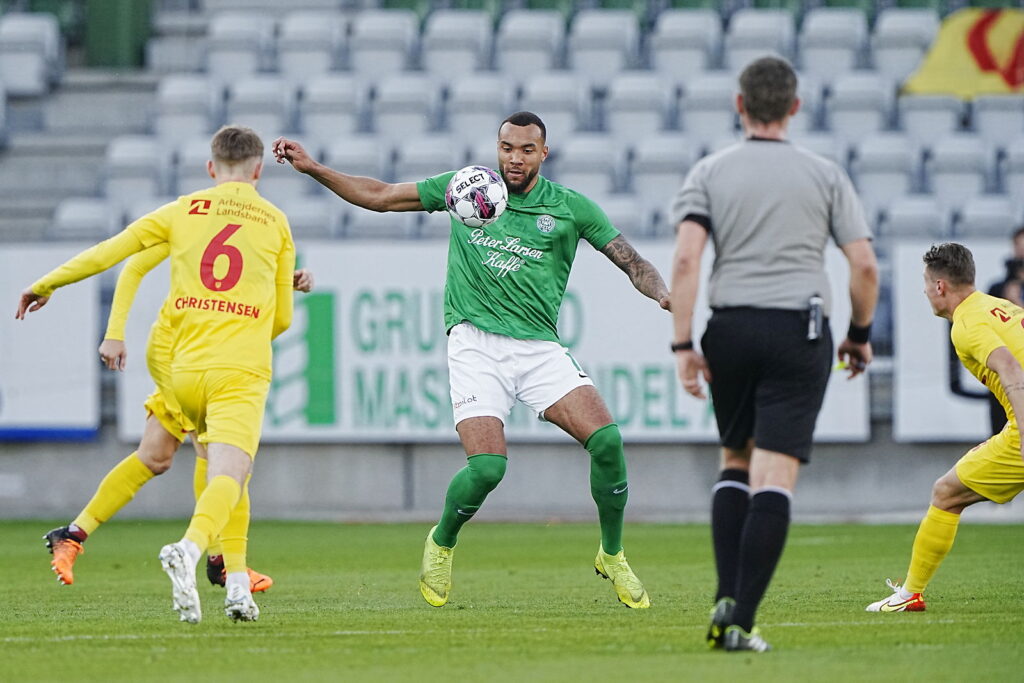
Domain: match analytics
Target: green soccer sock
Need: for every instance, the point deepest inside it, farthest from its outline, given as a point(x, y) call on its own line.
point(466, 494)
point(608, 483)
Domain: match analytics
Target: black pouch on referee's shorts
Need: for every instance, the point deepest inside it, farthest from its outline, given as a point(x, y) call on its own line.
point(815, 317)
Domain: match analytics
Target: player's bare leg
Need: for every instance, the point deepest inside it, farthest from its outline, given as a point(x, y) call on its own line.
point(583, 415)
point(153, 457)
point(483, 439)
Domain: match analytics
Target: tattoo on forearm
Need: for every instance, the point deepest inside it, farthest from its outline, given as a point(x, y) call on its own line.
point(1013, 388)
point(642, 274)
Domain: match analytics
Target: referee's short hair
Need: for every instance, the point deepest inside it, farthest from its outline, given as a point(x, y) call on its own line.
point(768, 86)
point(952, 262)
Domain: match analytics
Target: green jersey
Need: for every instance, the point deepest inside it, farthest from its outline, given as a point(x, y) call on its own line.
point(509, 277)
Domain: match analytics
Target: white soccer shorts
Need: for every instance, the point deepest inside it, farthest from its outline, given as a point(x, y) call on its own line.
point(489, 372)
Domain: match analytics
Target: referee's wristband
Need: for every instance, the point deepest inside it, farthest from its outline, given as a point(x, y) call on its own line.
point(859, 334)
point(681, 346)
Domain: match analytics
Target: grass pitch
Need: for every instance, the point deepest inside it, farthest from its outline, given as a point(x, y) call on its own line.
point(526, 606)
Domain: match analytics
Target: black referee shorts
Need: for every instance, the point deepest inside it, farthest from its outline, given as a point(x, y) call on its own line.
point(767, 380)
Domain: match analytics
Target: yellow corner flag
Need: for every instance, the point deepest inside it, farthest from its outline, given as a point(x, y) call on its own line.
point(977, 52)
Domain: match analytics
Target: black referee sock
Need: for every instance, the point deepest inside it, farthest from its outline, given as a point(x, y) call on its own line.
point(730, 498)
point(764, 536)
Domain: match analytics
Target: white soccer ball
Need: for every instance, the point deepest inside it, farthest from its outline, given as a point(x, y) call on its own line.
point(476, 196)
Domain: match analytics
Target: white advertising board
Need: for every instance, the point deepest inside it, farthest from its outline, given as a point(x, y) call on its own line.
point(49, 367)
point(934, 398)
point(365, 357)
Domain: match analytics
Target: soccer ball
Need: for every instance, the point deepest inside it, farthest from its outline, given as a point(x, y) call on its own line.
point(476, 196)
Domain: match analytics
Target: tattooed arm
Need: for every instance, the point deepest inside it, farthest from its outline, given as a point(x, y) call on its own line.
point(1011, 376)
point(641, 273)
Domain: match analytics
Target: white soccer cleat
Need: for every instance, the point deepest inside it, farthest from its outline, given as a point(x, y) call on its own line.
point(181, 570)
point(896, 602)
point(239, 605)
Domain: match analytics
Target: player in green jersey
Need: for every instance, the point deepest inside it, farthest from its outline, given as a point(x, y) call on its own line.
point(503, 290)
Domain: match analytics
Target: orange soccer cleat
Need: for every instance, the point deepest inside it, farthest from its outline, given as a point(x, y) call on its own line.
point(218, 575)
point(65, 549)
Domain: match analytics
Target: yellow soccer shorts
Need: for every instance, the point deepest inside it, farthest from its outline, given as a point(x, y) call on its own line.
point(994, 469)
point(162, 404)
point(225, 405)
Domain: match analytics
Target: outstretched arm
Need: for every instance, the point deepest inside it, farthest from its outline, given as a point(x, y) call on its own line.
point(368, 193)
point(642, 274)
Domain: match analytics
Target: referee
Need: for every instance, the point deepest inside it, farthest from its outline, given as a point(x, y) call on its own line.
point(770, 208)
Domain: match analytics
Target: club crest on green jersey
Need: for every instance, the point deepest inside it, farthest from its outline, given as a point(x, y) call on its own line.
point(545, 223)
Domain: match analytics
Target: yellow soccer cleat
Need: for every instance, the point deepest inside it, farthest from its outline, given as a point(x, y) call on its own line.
point(629, 589)
point(436, 571)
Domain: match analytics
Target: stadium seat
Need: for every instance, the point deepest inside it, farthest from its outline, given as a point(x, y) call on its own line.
point(382, 41)
point(313, 217)
point(420, 158)
point(187, 105)
point(885, 166)
point(264, 103)
point(365, 155)
point(823, 144)
point(660, 164)
point(310, 44)
point(589, 163)
point(832, 41)
point(754, 33)
point(136, 166)
point(808, 116)
point(627, 213)
point(708, 106)
point(927, 117)
point(456, 43)
point(957, 169)
point(190, 167)
point(332, 107)
point(484, 152)
point(405, 105)
point(686, 42)
point(560, 99)
point(901, 38)
point(1013, 170)
point(529, 42)
point(363, 224)
point(638, 103)
point(602, 43)
point(986, 216)
point(84, 218)
point(238, 44)
point(917, 215)
point(476, 104)
point(860, 103)
point(998, 119)
point(31, 53)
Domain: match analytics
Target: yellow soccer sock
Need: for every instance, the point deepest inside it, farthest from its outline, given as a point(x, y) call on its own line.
point(198, 486)
point(931, 545)
point(234, 538)
point(114, 492)
point(213, 509)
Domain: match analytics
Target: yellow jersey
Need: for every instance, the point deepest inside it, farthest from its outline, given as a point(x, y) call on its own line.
point(232, 261)
point(981, 324)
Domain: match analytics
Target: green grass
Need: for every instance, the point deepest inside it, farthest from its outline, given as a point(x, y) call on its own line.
point(526, 606)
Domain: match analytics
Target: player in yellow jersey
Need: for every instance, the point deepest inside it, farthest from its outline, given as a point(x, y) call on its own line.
point(988, 334)
point(232, 263)
point(165, 430)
